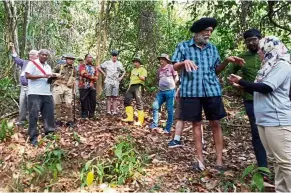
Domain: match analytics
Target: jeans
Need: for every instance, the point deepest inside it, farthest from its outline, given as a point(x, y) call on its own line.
point(256, 141)
point(167, 96)
point(23, 104)
point(45, 105)
point(88, 102)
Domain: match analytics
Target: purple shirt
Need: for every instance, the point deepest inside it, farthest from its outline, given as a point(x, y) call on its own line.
point(167, 76)
point(22, 64)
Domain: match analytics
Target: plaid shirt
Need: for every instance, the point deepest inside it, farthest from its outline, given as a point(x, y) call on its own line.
point(203, 82)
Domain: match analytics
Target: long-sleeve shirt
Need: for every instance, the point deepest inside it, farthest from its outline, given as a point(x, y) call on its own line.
point(22, 64)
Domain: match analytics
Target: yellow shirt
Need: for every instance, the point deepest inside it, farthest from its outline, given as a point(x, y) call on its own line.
point(135, 73)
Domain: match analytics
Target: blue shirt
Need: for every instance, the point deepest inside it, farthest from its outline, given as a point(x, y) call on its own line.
point(203, 82)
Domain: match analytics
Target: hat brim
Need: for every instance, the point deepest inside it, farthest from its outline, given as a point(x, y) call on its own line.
point(70, 58)
point(164, 58)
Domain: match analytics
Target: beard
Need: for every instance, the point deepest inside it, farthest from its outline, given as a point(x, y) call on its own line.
point(200, 39)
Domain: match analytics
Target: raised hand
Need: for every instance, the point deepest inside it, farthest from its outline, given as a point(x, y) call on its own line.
point(236, 60)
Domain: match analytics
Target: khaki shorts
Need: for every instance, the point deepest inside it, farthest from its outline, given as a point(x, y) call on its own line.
point(111, 90)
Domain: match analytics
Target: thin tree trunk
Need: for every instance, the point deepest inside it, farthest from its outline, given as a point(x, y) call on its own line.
point(11, 33)
point(99, 51)
point(25, 27)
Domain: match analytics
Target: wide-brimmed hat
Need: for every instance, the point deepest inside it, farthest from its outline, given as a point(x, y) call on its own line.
point(203, 23)
point(71, 56)
point(137, 59)
point(164, 56)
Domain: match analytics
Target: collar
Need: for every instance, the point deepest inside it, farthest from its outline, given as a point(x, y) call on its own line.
point(193, 43)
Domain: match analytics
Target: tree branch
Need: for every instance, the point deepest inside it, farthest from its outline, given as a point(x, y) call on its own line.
point(271, 14)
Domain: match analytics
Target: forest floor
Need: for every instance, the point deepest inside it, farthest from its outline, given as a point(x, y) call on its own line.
point(25, 168)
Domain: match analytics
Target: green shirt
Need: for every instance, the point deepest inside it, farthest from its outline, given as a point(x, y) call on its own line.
point(136, 73)
point(249, 70)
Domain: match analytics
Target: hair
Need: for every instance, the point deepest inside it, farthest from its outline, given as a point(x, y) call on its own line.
point(44, 51)
point(251, 33)
point(86, 56)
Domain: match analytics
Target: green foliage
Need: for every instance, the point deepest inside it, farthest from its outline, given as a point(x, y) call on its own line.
point(126, 165)
point(6, 130)
point(52, 160)
point(257, 179)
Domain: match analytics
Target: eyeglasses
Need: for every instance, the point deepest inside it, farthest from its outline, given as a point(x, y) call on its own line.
point(251, 40)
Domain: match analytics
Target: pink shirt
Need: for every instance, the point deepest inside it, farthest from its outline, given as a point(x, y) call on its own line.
point(167, 77)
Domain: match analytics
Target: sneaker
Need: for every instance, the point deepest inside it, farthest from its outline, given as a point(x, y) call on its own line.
point(174, 143)
point(108, 113)
point(20, 123)
point(114, 113)
point(153, 126)
point(70, 124)
point(34, 142)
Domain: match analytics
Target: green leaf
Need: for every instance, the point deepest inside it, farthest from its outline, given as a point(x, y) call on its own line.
point(87, 165)
point(59, 167)
point(37, 170)
point(248, 170)
point(258, 180)
point(118, 153)
point(264, 169)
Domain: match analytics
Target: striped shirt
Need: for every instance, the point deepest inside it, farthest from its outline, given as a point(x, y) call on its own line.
point(203, 82)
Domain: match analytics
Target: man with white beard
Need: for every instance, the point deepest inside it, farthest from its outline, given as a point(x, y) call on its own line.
point(199, 63)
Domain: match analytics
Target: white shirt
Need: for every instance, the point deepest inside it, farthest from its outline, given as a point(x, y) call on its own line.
point(112, 71)
point(38, 86)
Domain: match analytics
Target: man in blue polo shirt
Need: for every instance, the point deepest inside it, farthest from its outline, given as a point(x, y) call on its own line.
point(199, 63)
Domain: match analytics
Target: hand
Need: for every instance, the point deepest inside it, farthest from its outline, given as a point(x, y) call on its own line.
point(93, 78)
point(236, 60)
point(177, 95)
point(189, 65)
point(233, 79)
point(46, 76)
point(119, 79)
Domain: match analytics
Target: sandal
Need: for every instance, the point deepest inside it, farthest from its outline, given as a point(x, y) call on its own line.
point(198, 166)
point(220, 168)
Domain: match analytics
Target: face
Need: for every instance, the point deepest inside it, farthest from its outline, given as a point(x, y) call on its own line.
point(33, 57)
point(70, 61)
point(163, 62)
point(114, 58)
point(261, 54)
point(89, 59)
point(203, 36)
point(43, 57)
point(252, 44)
point(136, 64)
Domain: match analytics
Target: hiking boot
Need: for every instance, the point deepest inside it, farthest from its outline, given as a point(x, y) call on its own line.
point(174, 143)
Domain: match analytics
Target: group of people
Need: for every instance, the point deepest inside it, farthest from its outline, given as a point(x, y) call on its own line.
point(266, 77)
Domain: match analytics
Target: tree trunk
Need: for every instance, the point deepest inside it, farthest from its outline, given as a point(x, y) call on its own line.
point(99, 51)
point(11, 33)
point(25, 27)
